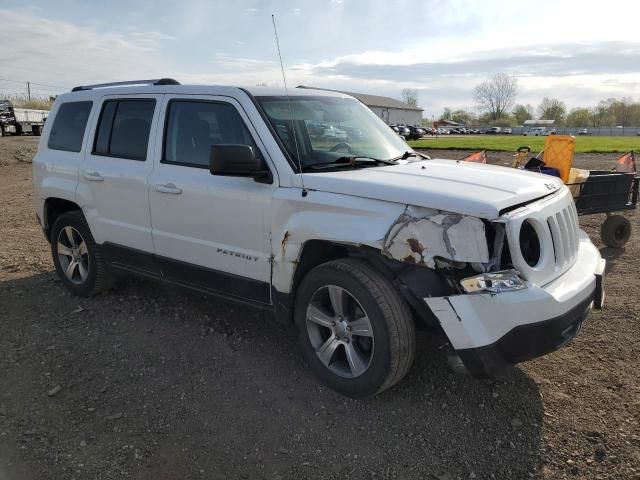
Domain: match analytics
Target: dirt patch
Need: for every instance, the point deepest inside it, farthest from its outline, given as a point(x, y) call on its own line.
point(152, 382)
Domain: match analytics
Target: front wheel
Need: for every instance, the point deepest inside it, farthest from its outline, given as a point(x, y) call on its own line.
point(77, 258)
point(355, 331)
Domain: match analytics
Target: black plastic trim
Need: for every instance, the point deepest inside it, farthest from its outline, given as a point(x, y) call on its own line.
point(525, 342)
point(194, 277)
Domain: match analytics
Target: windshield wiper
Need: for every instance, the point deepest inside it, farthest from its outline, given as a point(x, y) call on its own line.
point(350, 162)
point(408, 154)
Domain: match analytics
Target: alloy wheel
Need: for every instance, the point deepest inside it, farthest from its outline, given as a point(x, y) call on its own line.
point(340, 331)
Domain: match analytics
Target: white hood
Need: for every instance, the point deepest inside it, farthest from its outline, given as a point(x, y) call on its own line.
point(454, 186)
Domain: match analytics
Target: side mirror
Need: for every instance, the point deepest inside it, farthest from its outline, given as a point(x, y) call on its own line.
point(238, 161)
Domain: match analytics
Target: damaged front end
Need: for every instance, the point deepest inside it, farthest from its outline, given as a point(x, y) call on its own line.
point(515, 288)
point(470, 253)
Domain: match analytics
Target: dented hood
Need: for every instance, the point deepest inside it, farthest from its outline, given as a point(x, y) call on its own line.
point(454, 186)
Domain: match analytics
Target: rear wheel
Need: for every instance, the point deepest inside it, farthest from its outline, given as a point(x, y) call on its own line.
point(355, 331)
point(615, 231)
point(36, 130)
point(77, 258)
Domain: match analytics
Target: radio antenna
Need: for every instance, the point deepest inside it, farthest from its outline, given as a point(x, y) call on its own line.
point(286, 92)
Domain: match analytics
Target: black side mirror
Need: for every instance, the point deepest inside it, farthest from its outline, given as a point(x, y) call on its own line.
point(238, 161)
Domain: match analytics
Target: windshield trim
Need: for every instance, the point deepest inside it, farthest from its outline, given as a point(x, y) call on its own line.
point(290, 160)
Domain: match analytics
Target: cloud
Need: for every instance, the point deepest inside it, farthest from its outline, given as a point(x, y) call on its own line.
point(62, 53)
point(542, 60)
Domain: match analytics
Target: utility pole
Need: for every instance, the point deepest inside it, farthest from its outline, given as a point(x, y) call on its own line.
point(29, 91)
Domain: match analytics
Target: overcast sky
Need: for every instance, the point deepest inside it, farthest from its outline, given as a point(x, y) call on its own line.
point(578, 51)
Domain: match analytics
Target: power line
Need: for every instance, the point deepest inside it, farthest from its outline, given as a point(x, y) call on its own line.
point(34, 83)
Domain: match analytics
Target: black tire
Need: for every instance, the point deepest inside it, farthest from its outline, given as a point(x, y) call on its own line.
point(615, 231)
point(97, 278)
point(392, 346)
point(35, 130)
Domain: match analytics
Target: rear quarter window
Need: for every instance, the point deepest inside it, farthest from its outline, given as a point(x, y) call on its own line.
point(69, 125)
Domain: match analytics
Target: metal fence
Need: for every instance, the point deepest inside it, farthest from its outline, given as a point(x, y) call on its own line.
point(601, 131)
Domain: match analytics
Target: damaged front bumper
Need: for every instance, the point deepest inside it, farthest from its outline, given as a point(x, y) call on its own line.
point(492, 330)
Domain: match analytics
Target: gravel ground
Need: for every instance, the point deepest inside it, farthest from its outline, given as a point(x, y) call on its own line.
point(150, 382)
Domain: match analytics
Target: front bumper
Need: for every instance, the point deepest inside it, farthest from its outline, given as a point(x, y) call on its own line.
point(491, 331)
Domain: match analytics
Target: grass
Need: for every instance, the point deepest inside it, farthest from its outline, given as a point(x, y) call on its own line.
point(35, 103)
point(510, 143)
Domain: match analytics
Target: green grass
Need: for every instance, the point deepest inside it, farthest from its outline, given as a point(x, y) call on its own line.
point(510, 143)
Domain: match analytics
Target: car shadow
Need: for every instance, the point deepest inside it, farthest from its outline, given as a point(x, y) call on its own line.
point(196, 387)
point(611, 254)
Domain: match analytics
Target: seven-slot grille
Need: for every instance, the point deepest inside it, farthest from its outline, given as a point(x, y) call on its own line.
point(555, 221)
point(564, 234)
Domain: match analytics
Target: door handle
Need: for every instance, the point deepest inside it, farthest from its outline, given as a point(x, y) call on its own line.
point(93, 176)
point(168, 188)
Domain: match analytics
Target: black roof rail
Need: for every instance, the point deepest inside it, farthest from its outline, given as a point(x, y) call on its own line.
point(157, 81)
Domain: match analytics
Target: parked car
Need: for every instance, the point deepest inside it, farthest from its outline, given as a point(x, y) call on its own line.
point(507, 131)
point(416, 132)
point(404, 132)
point(494, 130)
point(583, 131)
point(536, 132)
point(220, 189)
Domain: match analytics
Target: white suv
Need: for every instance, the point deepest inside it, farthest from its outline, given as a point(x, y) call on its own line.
point(357, 241)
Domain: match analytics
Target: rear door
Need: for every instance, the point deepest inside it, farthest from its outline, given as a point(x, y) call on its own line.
point(113, 179)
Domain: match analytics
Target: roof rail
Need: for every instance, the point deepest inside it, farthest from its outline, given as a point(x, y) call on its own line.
point(157, 81)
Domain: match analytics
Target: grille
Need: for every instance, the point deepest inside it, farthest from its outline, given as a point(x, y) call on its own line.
point(551, 226)
point(564, 234)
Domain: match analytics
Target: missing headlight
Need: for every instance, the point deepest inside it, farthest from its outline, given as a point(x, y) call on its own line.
point(529, 243)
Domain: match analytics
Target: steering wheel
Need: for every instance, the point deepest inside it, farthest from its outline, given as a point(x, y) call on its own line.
point(341, 145)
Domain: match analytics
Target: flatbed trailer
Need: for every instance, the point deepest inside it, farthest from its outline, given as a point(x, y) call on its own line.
point(16, 121)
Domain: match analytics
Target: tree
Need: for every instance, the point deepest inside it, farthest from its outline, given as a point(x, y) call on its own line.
point(579, 117)
point(552, 109)
point(447, 114)
point(410, 96)
point(462, 116)
point(522, 113)
point(496, 96)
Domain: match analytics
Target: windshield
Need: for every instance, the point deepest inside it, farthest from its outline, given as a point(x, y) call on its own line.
point(330, 128)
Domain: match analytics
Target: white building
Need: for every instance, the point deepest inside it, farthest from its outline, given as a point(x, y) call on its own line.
point(389, 109)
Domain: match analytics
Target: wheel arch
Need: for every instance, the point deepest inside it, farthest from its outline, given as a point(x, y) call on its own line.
point(53, 208)
point(413, 282)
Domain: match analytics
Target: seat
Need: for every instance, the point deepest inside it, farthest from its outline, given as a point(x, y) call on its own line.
point(193, 140)
point(130, 138)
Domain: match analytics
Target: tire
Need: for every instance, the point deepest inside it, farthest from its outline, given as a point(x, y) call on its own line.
point(35, 130)
point(383, 350)
point(615, 231)
point(71, 241)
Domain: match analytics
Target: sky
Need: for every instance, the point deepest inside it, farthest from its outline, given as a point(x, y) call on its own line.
point(578, 51)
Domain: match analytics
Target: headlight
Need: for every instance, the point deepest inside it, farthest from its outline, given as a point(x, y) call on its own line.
point(495, 282)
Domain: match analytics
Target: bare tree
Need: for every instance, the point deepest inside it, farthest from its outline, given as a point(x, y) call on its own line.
point(496, 96)
point(410, 96)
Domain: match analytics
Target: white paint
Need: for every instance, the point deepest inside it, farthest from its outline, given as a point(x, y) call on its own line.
point(477, 320)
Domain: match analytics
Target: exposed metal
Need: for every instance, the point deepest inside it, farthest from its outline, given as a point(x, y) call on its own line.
point(421, 234)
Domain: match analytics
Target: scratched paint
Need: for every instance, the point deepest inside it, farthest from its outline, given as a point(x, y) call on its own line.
point(421, 234)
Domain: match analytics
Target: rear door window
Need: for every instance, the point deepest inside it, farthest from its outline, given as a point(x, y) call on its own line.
point(69, 125)
point(124, 127)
